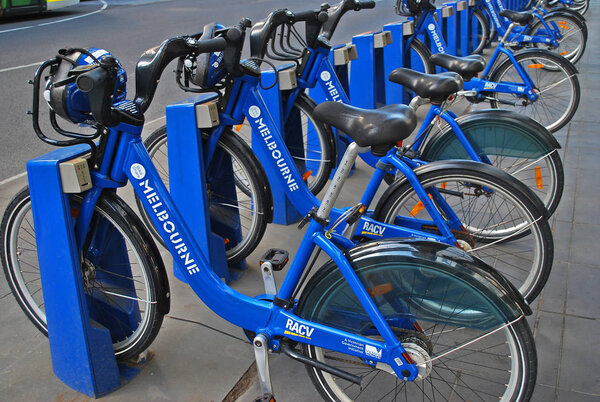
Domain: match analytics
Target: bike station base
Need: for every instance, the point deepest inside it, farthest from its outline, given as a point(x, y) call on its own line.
point(81, 349)
point(188, 184)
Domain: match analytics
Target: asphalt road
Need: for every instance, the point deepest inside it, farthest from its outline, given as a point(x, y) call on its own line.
point(126, 28)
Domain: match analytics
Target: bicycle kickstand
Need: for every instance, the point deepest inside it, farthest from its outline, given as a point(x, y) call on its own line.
point(261, 354)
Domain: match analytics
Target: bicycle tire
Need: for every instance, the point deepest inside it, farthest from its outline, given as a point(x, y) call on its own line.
point(324, 154)
point(513, 143)
point(493, 31)
point(478, 194)
point(319, 144)
point(19, 248)
point(509, 375)
point(559, 81)
point(580, 6)
point(418, 56)
point(483, 31)
point(252, 191)
point(574, 35)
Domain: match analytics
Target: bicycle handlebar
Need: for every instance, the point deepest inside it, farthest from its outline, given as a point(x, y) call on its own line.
point(336, 13)
point(312, 15)
point(153, 61)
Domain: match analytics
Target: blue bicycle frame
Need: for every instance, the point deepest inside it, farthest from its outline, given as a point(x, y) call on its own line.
point(126, 158)
point(427, 23)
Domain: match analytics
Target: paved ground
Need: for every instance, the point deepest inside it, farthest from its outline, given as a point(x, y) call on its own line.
point(195, 359)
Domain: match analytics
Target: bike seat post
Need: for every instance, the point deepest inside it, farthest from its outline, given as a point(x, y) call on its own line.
point(508, 32)
point(341, 174)
point(416, 102)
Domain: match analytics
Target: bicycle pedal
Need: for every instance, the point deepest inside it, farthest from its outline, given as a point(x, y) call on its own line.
point(265, 398)
point(277, 257)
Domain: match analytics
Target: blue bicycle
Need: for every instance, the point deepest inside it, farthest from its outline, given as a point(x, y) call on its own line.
point(561, 31)
point(386, 320)
point(535, 82)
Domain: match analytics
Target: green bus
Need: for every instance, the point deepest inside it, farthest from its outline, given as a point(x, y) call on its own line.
point(12, 7)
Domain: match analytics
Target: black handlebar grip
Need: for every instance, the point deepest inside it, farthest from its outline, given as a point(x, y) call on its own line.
point(212, 45)
point(308, 16)
point(365, 4)
point(234, 34)
point(90, 80)
point(322, 17)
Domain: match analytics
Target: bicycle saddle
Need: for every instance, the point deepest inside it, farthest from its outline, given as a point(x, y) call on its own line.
point(521, 18)
point(435, 87)
point(379, 129)
point(467, 67)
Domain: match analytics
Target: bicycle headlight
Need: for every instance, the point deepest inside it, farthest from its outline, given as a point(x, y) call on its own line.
point(63, 96)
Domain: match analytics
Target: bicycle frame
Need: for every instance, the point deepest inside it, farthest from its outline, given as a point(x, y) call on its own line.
point(130, 161)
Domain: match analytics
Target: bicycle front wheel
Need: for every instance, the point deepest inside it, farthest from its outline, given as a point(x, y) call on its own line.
point(481, 30)
point(123, 297)
point(238, 194)
point(570, 31)
point(556, 85)
point(492, 366)
point(503, 224)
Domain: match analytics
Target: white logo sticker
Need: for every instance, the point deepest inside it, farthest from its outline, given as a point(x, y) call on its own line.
point(372, 351)
point(325, 75)
point(138, 171)
point(431, 27)
point(254, 111)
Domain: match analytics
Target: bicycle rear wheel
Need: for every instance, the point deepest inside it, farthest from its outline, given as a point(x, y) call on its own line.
point(500, 366)
point(125, 298)
point(573, 35)
point(556, 85)
point(503, 222)
point(244, 193)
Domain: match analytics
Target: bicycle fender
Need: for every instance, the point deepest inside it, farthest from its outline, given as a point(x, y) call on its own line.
point(567, 64)
point(453, 164)
point(136, 225)
point(408, 278)
point(519, 136)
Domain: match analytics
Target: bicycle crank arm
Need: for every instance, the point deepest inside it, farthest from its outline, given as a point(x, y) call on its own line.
point(319, 365)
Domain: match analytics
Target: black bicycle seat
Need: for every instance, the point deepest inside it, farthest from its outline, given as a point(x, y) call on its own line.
point(521, 18)
point(467, 66)
point(435, 87)
point(379, 129)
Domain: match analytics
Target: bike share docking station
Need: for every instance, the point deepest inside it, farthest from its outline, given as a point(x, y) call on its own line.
point(81, 348)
